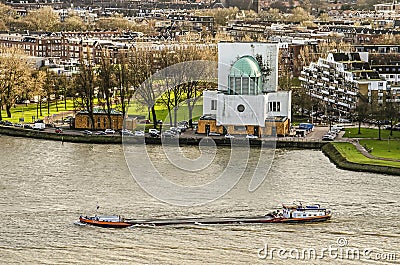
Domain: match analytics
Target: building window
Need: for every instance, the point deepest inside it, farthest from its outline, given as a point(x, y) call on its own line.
point(238, 85)
point(239, 128)
point(274, 106)
point(252, 86)
point(213, 104)
point(245, 86)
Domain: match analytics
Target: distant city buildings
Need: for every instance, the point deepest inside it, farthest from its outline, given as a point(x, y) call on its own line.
point(340, 79)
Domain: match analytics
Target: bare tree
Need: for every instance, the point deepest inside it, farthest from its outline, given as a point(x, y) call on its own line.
point(362, 110)
point(107, 83)
point(85, 83)
point(202, 75)
point(143, 63)
point(125, 89)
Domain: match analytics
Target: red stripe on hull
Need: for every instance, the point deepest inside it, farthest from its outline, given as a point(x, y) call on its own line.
point(104, 223)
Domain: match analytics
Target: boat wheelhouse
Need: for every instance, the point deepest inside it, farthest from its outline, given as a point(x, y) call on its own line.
point(302, 213)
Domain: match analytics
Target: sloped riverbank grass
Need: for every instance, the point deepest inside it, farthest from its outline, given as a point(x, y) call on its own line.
point(384, 148)
point(346, 156)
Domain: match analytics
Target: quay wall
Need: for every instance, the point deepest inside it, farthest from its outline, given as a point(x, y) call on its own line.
point(116, 139)
point(74, 138)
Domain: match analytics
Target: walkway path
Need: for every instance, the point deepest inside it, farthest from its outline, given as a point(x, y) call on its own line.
point(363, 151)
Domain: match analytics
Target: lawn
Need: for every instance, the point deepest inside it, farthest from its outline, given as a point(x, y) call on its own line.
point(370, 133)
point(162, 111)
point(350, 152)
point(384, 148)
point(29, 114)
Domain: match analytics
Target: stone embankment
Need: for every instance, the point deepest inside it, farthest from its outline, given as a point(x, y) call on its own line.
point(183, 140)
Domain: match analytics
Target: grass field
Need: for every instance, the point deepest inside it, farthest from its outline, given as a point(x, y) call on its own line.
point(384, 148)
point(370, 133)
point(350, 152)
point(162, 112)
point(27, 112)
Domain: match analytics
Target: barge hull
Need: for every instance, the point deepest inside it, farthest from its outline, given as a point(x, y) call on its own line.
point(226, 220)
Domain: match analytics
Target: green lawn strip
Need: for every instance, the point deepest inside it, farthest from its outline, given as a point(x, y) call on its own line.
point(162, 111)
point(370, 133)
point(384, 148)
point(27, 112)
point(350, 152)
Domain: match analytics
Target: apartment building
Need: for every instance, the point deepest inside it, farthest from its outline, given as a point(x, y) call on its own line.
point(391, 73)
point(338, 80)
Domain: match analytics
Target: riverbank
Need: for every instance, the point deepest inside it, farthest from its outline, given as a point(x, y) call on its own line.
point(183, 140)
point(368, 165)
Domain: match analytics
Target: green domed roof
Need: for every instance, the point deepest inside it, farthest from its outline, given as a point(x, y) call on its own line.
point(246, 66)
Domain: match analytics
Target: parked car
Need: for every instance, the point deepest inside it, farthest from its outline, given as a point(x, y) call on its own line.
point(229, 136)
point(100, 133)
point(139, 133)
point(87, 132)
point(27, 126)
point(8, 123)
point(182, 128)
point(214, 134)
point(109, 131)
point(337, 127)
point(154, 132)
point(251, 136)
point(168, 134)
point(18, 125)
point(58, 130)
point(176, 130)
point(328, 137)
point(39, 126)
point(126, 132)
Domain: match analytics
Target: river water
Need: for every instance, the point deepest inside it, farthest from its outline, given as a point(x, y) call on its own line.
point(46, 185)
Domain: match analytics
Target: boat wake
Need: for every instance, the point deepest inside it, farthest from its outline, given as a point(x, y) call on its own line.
point(142, 226)
point(79, 223)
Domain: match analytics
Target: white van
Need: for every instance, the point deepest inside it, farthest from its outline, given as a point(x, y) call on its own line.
point(39, 126)
point(338, 127)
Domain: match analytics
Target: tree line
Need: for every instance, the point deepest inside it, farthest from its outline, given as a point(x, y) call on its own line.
point(46, 19)
point(147, 75)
